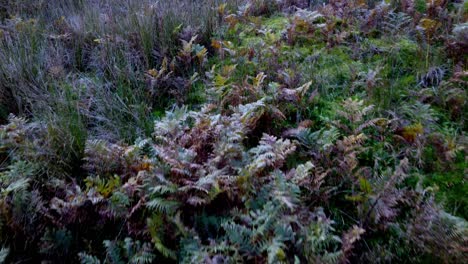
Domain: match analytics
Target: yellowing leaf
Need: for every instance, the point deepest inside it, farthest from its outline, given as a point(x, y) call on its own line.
point(228, 70)
point(411, 132)
point(216, 44)
point(201, 55)
point(153, 72)
point(222, 9)
point(219, 81)
point(429, 26)
point(365, 185)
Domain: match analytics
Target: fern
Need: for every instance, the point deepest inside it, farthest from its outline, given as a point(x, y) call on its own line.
point(4, 252)
point(420, 113)
point(103, 158)
point(128, 251)
point(253, 237)
point(285, 191)
point(271, 153)
point(397, 24)
point(105, 187)
point(17, 186)
point(319, 244)
point(251, 113)
point(354, 111)
point(56, 242)
point(431, 228)
point(88, 259)
point(320, 140)
point(156, 229)
point(118, 204)
point(162, 205)
point(171, 125)
point(17, 178)
point(238, 177)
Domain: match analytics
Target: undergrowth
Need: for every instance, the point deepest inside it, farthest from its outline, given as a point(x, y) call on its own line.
point(259, 131)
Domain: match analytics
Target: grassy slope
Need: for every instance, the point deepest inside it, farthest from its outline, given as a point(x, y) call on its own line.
point(113, 90)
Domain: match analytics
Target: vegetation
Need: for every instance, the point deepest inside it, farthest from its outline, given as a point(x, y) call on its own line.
point(256, 131)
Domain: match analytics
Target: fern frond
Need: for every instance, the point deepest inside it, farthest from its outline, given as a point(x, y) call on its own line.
point(143, 258)
point(321, 139)
point(275, 252)
point(113, 252)
point(166, 252)
point(163, 189)
point(156, 226)
point(271, 152)
point(88, 259)
point(16, 186)
point(397, 24)
point(4, 254)
point(162, 205)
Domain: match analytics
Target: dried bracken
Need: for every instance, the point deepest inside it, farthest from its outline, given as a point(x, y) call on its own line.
point(232, 131)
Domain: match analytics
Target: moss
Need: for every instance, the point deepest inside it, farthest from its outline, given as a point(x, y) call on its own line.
point(272, 26)
point(276, 23)
point(249, 41)
point(412, 131)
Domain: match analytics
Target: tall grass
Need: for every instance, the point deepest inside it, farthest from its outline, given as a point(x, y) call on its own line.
point(115, 41)
point(79, 66)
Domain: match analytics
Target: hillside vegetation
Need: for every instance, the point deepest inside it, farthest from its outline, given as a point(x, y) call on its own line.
point(210, 131)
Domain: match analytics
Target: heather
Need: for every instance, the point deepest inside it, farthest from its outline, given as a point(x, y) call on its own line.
point(258, 131)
